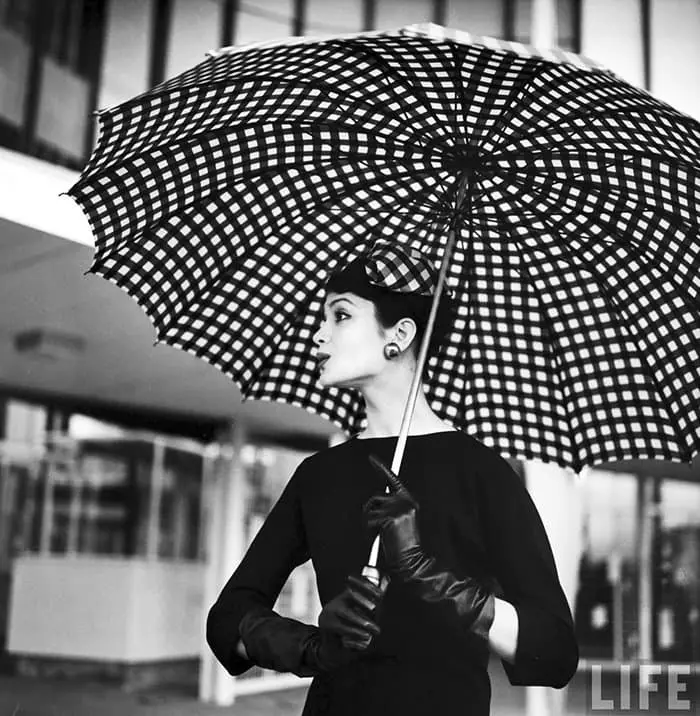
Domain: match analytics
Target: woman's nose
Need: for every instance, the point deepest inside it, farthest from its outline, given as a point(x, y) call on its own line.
point(320, 336)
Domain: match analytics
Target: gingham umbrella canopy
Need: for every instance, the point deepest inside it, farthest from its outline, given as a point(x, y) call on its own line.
point(222, 199)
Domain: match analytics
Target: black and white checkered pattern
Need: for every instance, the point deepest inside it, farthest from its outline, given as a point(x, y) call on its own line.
point(389, 266)
point(222, 199)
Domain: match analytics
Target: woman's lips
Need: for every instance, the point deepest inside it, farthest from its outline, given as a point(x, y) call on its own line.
point(322, 360)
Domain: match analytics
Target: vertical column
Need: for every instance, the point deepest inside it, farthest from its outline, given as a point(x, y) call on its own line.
point(645, 544)
point(618, 606)
point(645, 19)
point(97, 13)
point(160, 35)
point(47, 506)
point(229, 16)
point(153, 534)
point(225, 548)
point(508, 30)
point(207, 496)
point(298, 17)
point(439, 12)
point(556, 494)
point(369, 15)
point(7, 505)
point(76, 504)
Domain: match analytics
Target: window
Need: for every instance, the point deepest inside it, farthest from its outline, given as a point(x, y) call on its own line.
point(130, 497)
point(49, 66)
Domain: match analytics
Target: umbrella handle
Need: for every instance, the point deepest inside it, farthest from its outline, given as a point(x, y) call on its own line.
point(370, 570)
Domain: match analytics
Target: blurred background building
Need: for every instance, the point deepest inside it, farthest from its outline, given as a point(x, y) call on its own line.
point(132, 477)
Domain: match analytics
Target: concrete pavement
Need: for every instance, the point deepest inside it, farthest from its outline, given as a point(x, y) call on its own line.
point(26, 696)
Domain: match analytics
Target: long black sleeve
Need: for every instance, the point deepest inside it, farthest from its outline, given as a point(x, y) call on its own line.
point(523, 564)
point(279, 547)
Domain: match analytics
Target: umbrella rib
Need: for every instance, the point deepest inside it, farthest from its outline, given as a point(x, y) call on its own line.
point(546, 323)
point(374, 180)
point(459, 91)
point(238, 130)
point(390, 72)
point(276, 82)
point(614, 309)
point(587, 153)
point(623, 241)
point(581, 180)
point(542, 129)
point(203, 199)
point(302, 213)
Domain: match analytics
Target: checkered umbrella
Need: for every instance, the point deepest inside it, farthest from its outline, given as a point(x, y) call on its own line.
point(222, 199)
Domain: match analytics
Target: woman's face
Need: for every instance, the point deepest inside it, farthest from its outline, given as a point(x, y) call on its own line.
point(350, 341)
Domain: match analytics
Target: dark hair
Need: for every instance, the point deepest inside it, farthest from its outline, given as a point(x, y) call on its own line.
point(391, 306)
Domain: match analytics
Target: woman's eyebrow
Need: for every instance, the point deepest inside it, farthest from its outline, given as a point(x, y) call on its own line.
point(339, 300)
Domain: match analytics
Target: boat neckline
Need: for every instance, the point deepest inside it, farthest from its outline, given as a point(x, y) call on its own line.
point(417, 435)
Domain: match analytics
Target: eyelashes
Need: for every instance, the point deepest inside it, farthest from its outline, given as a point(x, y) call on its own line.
point(339, 316)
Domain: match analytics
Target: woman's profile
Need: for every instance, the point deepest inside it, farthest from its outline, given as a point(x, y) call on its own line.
point(467, 569)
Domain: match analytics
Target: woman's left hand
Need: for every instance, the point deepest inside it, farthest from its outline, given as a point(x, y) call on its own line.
point(394, 516)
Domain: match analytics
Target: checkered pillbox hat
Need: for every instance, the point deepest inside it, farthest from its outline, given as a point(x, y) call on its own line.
point(402, 270)
point(395, 268)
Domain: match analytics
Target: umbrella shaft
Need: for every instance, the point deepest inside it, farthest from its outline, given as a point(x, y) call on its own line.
point(370, 570)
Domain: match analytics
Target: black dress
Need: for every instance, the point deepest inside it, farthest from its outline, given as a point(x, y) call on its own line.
point(475, 517)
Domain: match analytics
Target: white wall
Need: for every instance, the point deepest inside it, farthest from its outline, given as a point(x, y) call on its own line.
point(269, 20)
point(675, 54)
point(324, 17)
point(30, 196)
point(105, 609)
point(391, 15)
point(165, 617)
point(612, 35)
point(482, 17)
point(126, 62)
point(194, 31)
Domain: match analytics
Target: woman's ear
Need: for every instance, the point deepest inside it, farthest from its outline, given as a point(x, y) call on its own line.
point(404, 331)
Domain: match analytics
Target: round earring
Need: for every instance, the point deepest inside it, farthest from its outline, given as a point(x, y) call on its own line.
point(391, 351)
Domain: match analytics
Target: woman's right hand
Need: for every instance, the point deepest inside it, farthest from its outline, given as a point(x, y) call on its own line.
point(351, 615)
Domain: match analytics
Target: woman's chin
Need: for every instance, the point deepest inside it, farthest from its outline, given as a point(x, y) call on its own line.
point(335, 381)
point(325, 382)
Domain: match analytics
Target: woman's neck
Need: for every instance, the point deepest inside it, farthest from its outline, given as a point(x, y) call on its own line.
point(385, 402)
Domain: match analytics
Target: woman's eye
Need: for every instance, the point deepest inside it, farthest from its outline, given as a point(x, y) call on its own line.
point(341, 316)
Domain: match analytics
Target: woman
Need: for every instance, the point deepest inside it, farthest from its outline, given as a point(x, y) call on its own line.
point(466, 564)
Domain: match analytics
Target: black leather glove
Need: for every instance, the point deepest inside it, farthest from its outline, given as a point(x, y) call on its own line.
point(352, 614)
point(394, 515)
point(345, 631)
point(287, 645)
point(276, 642)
